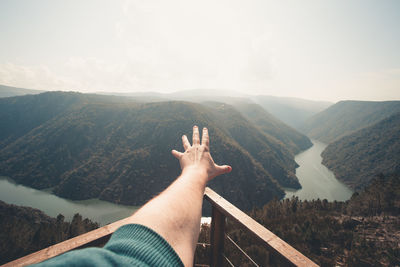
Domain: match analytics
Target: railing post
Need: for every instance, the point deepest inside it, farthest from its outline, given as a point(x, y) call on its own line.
point(217, 237)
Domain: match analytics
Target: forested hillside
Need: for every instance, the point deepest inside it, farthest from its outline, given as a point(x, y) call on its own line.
point(292, 139)
point(358, 157)
point(346, 117)
point(364, 231)
point(25, 230)
point(116, 149)
point(269, 152)
point(20, 115)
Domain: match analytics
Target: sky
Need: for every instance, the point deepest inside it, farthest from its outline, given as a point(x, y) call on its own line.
point(320, 50)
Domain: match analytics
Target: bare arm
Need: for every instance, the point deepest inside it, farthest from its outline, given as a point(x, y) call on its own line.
point(175, 213)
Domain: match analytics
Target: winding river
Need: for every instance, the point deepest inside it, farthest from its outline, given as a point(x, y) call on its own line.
point(316, 180)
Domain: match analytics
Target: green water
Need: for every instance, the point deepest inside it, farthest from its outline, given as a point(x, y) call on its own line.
point(316, 180)
point(97, 210)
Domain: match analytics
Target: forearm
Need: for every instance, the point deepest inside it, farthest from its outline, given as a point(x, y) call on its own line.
point(175, 214)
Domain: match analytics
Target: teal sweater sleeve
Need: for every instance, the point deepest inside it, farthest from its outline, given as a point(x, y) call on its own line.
point(130, 245)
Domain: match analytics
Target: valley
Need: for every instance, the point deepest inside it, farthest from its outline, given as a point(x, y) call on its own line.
point(102, 156)
point(300, 100)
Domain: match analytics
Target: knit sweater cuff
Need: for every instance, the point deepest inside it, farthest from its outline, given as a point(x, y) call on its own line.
point(142, 243)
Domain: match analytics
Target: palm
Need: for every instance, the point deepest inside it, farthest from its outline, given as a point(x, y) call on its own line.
point(198, 155)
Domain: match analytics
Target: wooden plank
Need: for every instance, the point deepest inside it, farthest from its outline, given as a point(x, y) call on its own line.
point(217, 237)
point(269, 239)
point(92, 238)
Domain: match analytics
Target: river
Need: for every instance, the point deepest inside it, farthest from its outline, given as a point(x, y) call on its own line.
point(97, 210)
point(316, 180)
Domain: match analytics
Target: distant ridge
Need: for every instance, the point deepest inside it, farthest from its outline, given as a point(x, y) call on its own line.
point(8, 91)
point(346, 117)
point(292, 111)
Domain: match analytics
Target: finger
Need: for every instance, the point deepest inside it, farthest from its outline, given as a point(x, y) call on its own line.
point(185, 142)
point(205, 140)
point(176, 154)
point(196, 136)
point(223, 169)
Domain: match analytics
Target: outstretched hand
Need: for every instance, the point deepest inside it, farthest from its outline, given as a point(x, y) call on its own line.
point(197, 156)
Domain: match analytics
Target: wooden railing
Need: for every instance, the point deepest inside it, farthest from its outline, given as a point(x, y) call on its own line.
point(221, 211)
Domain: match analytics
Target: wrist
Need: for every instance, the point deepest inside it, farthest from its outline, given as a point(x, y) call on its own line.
point(196, 173)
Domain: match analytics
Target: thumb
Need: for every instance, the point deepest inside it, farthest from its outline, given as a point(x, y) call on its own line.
point(223, 169)
point(176, 154)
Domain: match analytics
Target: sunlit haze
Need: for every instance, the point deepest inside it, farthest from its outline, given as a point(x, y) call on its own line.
point(321, 50)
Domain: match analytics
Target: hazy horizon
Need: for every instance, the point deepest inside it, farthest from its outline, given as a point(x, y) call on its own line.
point(317, 50)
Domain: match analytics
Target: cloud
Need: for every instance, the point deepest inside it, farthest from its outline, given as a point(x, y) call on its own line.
point(77, 74)
point(35, 77)
point(185, 44)
point(263, 47)
point(82, 74)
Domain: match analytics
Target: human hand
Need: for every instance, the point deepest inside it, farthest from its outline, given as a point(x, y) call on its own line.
point(197, 156)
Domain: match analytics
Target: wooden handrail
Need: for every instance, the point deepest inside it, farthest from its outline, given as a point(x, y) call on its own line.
point(93, 238)
point(221, 209)
point(273, 243)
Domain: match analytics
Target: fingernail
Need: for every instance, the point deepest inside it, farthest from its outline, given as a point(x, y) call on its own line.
point(195, 126)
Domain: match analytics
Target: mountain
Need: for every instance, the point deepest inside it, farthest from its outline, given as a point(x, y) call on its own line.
point(7, 91)
point(293, 140)
point(19, 115)
point(359, 157)
point(268, 151)
point(292, 111)
point(195, 95)
point(289, 137)
point(25, 230)
point(118, 149)
point(346, 117)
